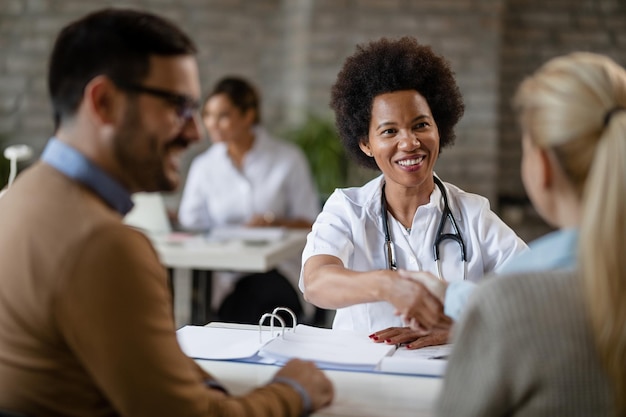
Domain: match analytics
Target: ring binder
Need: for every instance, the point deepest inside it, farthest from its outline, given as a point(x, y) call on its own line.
point(274, 315)
point(291, 313)
point(328, 348)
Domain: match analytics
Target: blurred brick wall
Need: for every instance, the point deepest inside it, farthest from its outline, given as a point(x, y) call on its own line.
point(292, 49)
point(535, 31)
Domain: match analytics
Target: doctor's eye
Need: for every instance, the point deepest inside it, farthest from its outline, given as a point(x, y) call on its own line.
point(388, 132)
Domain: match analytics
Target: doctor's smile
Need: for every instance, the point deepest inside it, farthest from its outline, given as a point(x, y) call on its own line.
point(412, 164)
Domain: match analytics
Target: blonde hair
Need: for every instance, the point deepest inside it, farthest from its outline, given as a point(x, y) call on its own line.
point(575, 105)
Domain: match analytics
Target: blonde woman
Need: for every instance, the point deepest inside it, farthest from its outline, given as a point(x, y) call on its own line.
point(554, 343)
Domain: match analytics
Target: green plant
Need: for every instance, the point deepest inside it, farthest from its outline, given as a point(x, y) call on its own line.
point(321, 144)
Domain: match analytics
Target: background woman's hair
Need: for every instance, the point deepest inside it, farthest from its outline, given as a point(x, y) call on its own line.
point(576, 105)
point(241, 93)
point(384, 66)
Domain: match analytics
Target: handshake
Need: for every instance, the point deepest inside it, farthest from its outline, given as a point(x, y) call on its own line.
point(421, 301)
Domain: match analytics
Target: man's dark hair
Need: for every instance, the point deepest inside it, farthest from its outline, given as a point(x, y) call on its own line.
point(385, 66)
point(243, 95)
point(117, 43)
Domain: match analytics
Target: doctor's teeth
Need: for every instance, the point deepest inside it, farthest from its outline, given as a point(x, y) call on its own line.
point(407, 162)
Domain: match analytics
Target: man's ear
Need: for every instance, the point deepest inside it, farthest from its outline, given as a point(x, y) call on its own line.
point(365, 147)
point(103, 100)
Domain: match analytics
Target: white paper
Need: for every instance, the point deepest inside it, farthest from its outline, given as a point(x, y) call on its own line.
point(329, 349)
point(202, 342)
point(251, 235)
point(430, 360)
point(326, 347)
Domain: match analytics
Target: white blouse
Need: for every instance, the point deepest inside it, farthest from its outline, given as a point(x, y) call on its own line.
point(275, 177)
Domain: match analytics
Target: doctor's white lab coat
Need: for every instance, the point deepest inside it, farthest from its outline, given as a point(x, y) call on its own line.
point(350, 228)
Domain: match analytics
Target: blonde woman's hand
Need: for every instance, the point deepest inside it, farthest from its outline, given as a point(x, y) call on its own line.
point(436, 286)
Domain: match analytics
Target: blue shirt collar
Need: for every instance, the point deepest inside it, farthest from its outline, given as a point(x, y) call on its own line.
point(75, 165)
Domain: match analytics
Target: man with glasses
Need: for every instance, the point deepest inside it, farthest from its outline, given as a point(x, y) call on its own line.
point(86, 324)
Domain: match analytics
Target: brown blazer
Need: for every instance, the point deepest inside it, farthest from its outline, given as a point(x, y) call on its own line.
point(86, 326)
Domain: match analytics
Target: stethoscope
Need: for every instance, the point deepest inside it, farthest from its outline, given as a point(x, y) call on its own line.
point(390, 250)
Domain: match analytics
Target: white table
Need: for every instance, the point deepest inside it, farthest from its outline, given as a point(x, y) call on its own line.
point(366, 394)
point(356, 393)
point(197, 255)
point(197, 252)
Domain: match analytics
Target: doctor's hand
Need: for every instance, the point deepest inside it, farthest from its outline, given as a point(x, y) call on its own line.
point(414, 302)
point(413, 339)
point(435, 286)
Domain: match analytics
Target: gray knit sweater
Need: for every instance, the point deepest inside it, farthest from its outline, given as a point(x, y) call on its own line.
point(524, 348)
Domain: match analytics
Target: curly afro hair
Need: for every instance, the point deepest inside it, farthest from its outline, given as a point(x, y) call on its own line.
point(385, 66)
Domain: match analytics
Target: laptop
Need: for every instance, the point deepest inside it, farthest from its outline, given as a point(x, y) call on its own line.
point(149, 214)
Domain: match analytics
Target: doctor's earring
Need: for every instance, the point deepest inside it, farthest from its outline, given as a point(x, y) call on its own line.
point(370, 154)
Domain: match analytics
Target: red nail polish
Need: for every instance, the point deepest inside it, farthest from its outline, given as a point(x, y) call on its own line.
point(372, 335)
point(387, 340)
point(375, 337)
point(408, 346)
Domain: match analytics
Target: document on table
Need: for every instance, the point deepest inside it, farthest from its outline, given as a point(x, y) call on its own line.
point(329, 349)
point(202, 342)
point(430, 360)
point(250, 235)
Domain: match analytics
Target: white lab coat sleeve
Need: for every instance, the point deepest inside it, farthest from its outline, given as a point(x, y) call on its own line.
point(499, 242)
point(304, 200)
point(193, 212)
point(331, 233)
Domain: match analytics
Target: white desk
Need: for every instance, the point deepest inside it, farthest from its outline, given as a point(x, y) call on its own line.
point(197, 256)
point(234, 255)
point(365, 394)
point(356, 393)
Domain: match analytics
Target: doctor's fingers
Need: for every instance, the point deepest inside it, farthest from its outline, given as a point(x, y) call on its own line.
point(425, 313)
point(434, 338)
point(445, 322)
point(396, 335)
point(416, 302)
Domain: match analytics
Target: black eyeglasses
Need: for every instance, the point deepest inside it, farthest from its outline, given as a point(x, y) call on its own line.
point(186, 107)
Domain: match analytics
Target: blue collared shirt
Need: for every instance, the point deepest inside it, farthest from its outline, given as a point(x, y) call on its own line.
point(556, 250)
point(75, 165)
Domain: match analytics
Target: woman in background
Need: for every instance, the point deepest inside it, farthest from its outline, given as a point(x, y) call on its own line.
point(554, 343)
point(248, 178)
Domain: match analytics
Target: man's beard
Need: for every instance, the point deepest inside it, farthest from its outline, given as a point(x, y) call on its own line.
point(141, 155)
